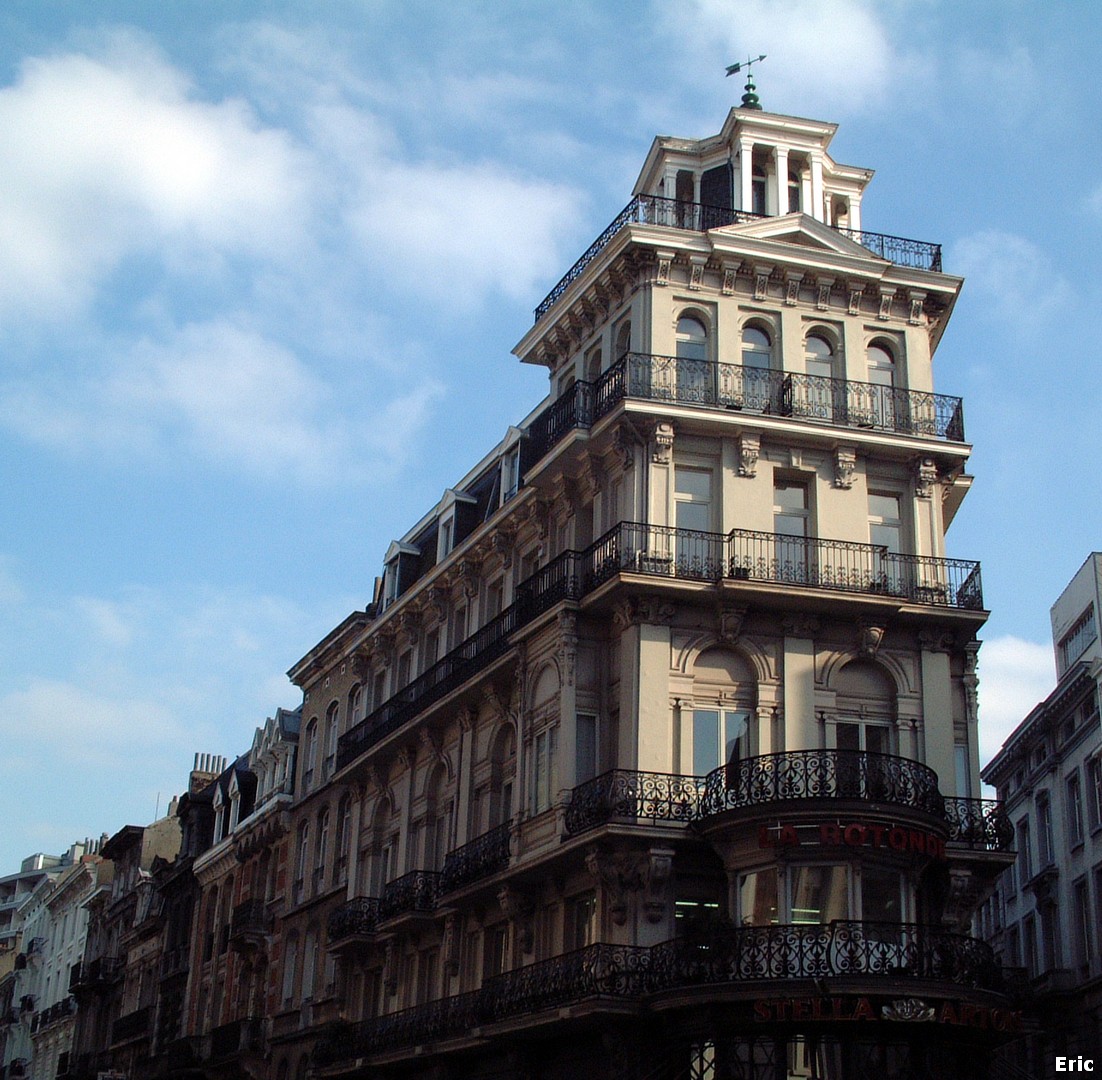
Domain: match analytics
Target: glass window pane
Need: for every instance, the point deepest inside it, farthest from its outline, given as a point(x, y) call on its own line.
point(819, 894)
point(758, 898)
point(705, 741)
point(694, 516)
point(790, 496)
point(880, 895)
point(694, 482)
point(737, 742)
point(883, 506)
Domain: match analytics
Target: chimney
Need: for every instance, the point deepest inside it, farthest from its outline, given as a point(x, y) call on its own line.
point(205, 769)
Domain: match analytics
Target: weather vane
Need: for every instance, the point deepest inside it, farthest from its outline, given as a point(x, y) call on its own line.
point(750, 98)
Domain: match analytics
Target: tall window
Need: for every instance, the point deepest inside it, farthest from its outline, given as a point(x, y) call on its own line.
point(720, 737)
point(544, 770)
point(818, 894)
point(582, 920)
point(819, 356)
point(355, 704)
point(1075, 810)
point(321, 852)
point(493, 952)
point(1094, 792)
point(757, 348)
point(791, 514)
point(1045, 848)
point(794, 191)
point(757, 188)
point(692, 338)
point(332, 732)
point(302, 857)
point(881, 366)
point(1081, 899)
point(311, 756)
point(1025, 857)
point(693, 498)
point(695, 376)
point(759, 898)
point(585, 763)
point(309, 963)
point(290, 959)
point(1074, 643)
point(886, 521)
point(344, 840)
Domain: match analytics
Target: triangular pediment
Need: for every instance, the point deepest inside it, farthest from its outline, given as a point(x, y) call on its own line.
point(798, 229)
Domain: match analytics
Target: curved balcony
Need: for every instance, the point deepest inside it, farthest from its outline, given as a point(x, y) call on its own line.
point(632, 798)
point(482, 857)
point(979, 824)
point(887, 957)
point(796, 775)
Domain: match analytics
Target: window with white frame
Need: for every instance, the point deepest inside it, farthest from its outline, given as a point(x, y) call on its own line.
point(1094, 792)
point(332, 733)
point(1073, 797)
point(1046, 849)
point(1074, 643)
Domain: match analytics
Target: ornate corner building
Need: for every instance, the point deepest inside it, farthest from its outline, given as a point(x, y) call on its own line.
point(655, 755)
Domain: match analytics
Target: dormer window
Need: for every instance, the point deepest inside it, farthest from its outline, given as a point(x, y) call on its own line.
point(235, 804)
point(400, 572)
point(456, 519)
point(510, 464)
point(219, 815)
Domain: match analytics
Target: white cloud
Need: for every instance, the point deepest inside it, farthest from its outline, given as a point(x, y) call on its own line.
point(822, 58)
point(1014, 676)
point(1016, 281)
point(109, 157)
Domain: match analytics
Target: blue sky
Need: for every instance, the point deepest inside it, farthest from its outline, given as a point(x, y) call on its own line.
point(262, 266)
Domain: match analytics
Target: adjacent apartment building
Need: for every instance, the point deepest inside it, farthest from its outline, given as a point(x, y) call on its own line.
point(1046, 914)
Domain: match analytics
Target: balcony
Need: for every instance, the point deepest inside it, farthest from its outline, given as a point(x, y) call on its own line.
point(175, 961)
point(60, 1010)
point(814, 399)
point(410, 895)
point(353, 922)
point(697, 217)
point(979, 824)
point(871, 957)
point(633, 798)
point(664, 551)
point(797, 775)
point(237, 1037)
point(134, 1025)
point(249, 924)
point(484, 856)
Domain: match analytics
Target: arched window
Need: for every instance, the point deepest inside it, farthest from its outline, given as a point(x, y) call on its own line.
point(332, 731)
point(866, 708)
point(881, 365)
point(302, 857)
point(321, 850)
point(385, 845)
point(290, 961)
point(623, 338)
point(355, 704)
point(503, 759)
point(438, 821)
point(724, 697)
point(311, 757)
point(344, 840)
point(819, 356)
point(692, 338)
point(757, 347)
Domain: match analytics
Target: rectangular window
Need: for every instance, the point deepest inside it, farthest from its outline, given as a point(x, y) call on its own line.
point(1074, 643)
point(881, 895)
point(378, 689)
point(1045, 849)
point(963, 772)
point(820, 894)
point(430, 651)
point(493, 954)
point(720, 737)
point(1094, 792)
point(428, 964)
point(1075, 810)
point(583, 920)
point(791, 517)
point(585, 765)
point(1083, 943)
point(495, 599)
point(758, 898)
point(1024, 861)
point(405, 665)
point(544, 769)
point(1050, 931)
point(885, 521)
point(693, 498)
point(1029, 945)
point(459, 625)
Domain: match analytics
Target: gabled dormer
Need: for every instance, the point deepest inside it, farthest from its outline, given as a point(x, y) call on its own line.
point(760, 163)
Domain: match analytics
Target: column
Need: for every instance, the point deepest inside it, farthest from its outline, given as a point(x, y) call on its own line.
point(782, 179)
point(357, 797)
point(817, 208)
point(800, 728)
point(746, 173)
point(937, 711)
point(467, 720)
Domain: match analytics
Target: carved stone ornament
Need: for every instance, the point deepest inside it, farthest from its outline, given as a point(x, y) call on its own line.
point(384, 643)
point(439, 601)
point(822, 299)
point(636, 610)
point(971, 655)
point(390, 966)
point(361, 662)
point(593, 476)
point(729, 276)
point(620, 874)
point(845, 466)
point(657, 874)
point(696, 272)
point(449, 948)
point(624, 444)
point(909, 1010)
point(663, 442)
point(518, 908)
point(749, 450)
point(470, 573)
point(468, 717)
point(870, 635)
point(925, 472)
point(918, 301)
point(730, 623)
point(665, 260)
point(408, 623)
point(498, 708)
point(503, 544)
point(568, 646)
point(761, 285)
point(792, 289)
point(886, 298)
point(855, 300)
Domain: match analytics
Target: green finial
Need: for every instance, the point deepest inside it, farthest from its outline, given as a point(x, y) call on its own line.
point(750, 98)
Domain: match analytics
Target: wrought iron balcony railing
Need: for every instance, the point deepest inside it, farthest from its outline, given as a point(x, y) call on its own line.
point(134, 1025)
point(633, 797)
point(822, 774)
point(238, 1036)
point(58, 1011)
point(813, 398)
point(669, 552)
point(981, 824)
point(699, 217)
point(175, 960)
point(750, 955)
point(353, 918)
point(414, 892)
point(482, 857)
